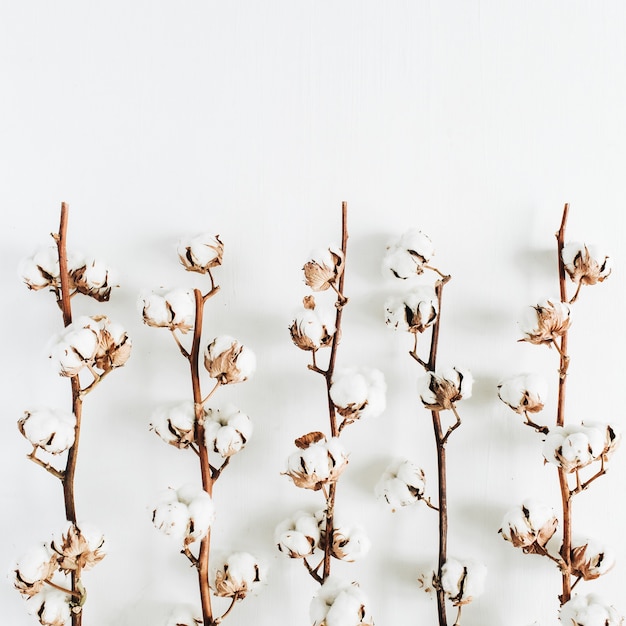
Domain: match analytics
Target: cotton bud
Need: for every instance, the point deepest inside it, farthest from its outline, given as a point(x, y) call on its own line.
point(93, 278)
point(186, 513)
point(546, 321)
point(114, 345)
point(227, 430)
point(462, 581)
point(589, 610)
point(413, 312)
point(576, 446)
point(590, 560)
point(76, 347)
point(80, 547)
point(323, 268)
point(316, 462)
point(175, 424)
point(585, 264)
point(524, 393)
point(52, 431)
point(228, 361)
point(312, 329)
point(175, 310)
point(33, 569)
point(406, 257)
point(358, 392)
point(340, 603)
point(184, 616)
point(235, 577)
point(349, 543)
point(201, 253)
point(298, 536)
point(443, 389)
point(42, 269)
point(50, 606)
point(529, 526)
point(401, 484)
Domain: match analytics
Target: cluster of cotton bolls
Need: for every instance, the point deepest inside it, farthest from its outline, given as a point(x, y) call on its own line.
point(575, 446)
point(91, 277)
point(589, 610)
point(185, 513)
point(93, 343)
point(39, 572)
point(402, 483)
point(340, 603)
point(47, 429)
point(529, 526)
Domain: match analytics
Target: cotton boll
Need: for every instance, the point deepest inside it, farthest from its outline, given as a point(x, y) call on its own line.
point(228, 361)
point(33, 568)
point(93, 278)
point(175, 310)
point(74, 347)
point(52, 431)
point(586, 264)
point(227, 430)
point(462, 581)
point(50, 606)
point(529, 526)
point(401, 484)
point(413, 312)
point(200, 253)
point(41, 270)
point(78, 547)
point(350, 543)
point(590, 559)
point(175, 424)
point(311, 328)
point(298, 536)
point(358, 392)
point(575, 446)
point(237, 575)
point(546, 321)
point(407, 256)
point(441, 390)
point(323, 268)
point(340, 603)
point(524, 393)
point(589, 610)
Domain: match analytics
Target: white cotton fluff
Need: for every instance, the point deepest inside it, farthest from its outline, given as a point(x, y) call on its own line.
point(529, 522)
point(463, 581)
point(542, 322)
point(596, 263)
point(350, 542)
point(591, 558)
point(589, 610)
point(175, 424)
point(298, 535)
point(34, 565)
point(41, 269)
point(227, 430)
point(175, 309)
point(238, 574)
point(50, 430)
point(321, 459)
point(50, 606)
point(340, 603)
point(413, 311)
point(359, 392)
point(574, 446)
point(75, 347)
point(523, 392)
point(445, 386)
point(315, 325)
point(401, 484)
point(406, 257)
point(228, 360)
point(201, 251)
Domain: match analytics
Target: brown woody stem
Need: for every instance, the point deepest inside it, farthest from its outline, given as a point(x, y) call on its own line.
point(560, 421)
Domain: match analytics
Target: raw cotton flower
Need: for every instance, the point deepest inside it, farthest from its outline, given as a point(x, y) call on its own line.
point(50, 606)
point(576, 446)
point(590, 559)
point(585, 264)
point(52, 431)
point(114, 345)
point(80, 547)
point(358, 392)
point(441, 390)
point(183, 616)
point(529, 526)
point(589, 610)
point(228, 361)
point(175, 424)
point(546, 321)
point(93, 278)
point(42, 269)
point(227, 430)
point(317, 461)
point(312, 329)
point(523, 393)
point(35, 567)
point(175, 310)
point(298, 536)
point(401, 484)
point(236, 576)
point(340, 603)
point(406, 257)
point(414, 311)
point(201, 253)
point(462, 581)
point(186, 513)
point(323, 268)
point(349, 543)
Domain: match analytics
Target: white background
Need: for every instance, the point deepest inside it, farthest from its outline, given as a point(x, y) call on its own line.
point(473, 120)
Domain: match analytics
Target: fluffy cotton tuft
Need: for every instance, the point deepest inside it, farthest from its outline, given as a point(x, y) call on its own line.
point(50, 430)
point(227, 430)
point(50, 606)
point(358, 392)
point(229, 361)
point(340, 603)
point(529, 526)
point(589, 610)
point(412, 312)
point(349, 542)
point(33, 568)
point(200, 253)
point(311, 328)
point(176, 309)
point(79, 547)
point(401, 484)
point(175, 424)
point(442, 389)
point(586, 264)
point(298, 536)
point(406, 257)
point(323, 268)
point(590, 559)
point(546, 321)
point(237, 575)
point(524, 393)
point(463, 581)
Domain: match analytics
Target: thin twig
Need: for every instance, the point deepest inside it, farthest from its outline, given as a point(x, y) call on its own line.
point(50, 468)
point(182, 349)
